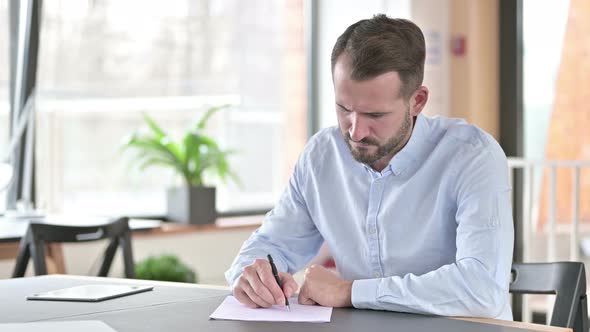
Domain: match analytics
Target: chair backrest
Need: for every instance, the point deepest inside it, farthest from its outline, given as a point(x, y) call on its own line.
point(567, 280)
point(32, 245)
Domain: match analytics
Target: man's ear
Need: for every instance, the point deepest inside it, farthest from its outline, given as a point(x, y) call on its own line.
point(418, 100)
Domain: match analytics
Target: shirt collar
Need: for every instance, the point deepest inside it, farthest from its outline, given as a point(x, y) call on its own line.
point(414, 150)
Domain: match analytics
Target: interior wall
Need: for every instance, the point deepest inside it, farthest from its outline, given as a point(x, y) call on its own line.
point(473, 83)
point(433, 18)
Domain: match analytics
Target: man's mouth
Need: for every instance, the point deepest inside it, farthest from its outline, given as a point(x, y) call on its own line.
point(361, 144)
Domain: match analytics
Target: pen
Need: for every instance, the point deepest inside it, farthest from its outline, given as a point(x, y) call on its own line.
point(275, 273)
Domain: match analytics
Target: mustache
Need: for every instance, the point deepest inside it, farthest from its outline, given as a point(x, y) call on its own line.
point(366, 140)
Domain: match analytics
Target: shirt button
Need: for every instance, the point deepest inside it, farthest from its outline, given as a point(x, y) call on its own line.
point(377, 275)
point(372, 230)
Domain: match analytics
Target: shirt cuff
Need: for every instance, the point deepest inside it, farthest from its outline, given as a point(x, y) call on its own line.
point(230, 277)
point(364, 293)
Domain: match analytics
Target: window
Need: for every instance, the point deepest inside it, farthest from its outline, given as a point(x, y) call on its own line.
point(541, 66)
point(102, 63)
point(555, 122)
point(4, 99)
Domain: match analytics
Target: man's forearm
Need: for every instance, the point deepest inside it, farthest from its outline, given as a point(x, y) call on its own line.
point(464, 288)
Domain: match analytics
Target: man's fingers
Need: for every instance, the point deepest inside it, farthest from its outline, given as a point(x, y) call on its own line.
point(304, 299)
point(267, 278)
point(258, 286)
point(255, 297)
point(260, 289)
point(243, 298)
point(253, 279)
point(290, 286)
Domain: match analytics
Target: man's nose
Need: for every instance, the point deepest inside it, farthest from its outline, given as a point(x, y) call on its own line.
point(358, 129)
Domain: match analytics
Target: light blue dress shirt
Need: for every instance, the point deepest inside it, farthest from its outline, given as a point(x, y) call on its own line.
point(432, 233)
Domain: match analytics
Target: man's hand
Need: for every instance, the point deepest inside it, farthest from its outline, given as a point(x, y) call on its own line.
point(325, 287)
point(257, 287)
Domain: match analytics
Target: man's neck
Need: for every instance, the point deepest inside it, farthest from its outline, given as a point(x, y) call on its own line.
point(380, 164)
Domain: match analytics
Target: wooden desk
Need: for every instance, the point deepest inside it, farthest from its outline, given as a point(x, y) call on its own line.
point(233, 223)
point(186, 307)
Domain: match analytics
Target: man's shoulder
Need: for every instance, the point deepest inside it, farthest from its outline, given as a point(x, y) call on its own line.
point(466, 144)
point(324, 141)
point(326, 134)
point(459, 132)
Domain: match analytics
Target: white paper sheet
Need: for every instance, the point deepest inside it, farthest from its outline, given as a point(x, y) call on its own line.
point(64, 326)
point(231, 309)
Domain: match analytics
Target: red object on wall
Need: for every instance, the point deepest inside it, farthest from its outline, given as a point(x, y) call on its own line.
point(458, 45)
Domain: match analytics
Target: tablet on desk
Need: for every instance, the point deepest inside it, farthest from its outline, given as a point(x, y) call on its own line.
point(89, 293)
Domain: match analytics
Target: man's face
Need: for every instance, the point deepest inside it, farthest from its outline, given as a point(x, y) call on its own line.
point(375, 120)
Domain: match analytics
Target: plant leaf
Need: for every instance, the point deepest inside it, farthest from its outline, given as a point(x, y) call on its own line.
point(203, 121)
point(149, 162)
point(154, 126)
point(191, 157)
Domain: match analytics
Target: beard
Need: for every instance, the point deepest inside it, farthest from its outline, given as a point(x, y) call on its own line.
point(391, 147)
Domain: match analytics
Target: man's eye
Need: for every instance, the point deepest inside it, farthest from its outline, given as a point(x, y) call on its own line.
point(375, 116)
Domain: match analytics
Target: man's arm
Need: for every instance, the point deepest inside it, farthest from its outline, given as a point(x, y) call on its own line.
point(476, 284)
point(288, 234)
point(468, 287)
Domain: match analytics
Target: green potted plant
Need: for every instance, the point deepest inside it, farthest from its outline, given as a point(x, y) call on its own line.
point(191, 157)
point(165, 268)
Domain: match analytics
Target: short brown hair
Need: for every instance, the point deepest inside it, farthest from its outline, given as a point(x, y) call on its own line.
point(380, 45)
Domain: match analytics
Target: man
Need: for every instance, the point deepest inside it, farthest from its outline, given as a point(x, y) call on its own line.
point(415, 210)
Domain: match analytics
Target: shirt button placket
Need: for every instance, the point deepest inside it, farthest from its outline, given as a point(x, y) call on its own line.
point(373, 239)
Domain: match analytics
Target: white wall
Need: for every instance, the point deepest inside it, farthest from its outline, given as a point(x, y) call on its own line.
point(433, 18)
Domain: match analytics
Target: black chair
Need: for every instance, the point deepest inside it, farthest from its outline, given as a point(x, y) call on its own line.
point(32, 245)
point(567, 280)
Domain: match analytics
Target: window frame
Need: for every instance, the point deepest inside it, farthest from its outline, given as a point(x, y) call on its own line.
point(15, 192)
